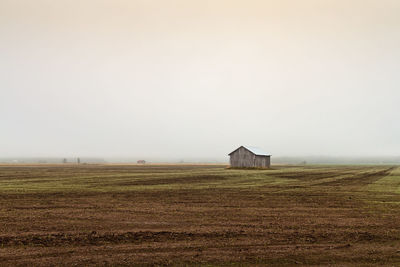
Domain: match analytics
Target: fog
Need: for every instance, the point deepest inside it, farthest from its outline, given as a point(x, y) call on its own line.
point(186, 79)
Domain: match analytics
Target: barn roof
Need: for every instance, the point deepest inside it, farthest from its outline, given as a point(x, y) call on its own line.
point(255, 150)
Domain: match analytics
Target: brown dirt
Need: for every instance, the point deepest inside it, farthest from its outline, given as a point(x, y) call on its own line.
point(176, 180)
point(318, 224)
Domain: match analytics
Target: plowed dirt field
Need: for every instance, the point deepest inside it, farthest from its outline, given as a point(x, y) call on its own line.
point(199, 215)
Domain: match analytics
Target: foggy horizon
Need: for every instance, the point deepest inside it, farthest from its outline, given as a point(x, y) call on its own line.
point(197, 79)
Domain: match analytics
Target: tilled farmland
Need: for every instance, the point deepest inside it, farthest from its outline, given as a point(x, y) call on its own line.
point(199, 215)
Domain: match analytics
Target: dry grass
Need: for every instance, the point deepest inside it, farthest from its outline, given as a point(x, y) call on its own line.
point(182, 214)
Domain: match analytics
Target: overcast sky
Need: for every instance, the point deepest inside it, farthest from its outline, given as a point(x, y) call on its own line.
point(197, 78)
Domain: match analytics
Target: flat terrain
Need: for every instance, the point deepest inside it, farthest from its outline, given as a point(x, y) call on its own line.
point(182, 214)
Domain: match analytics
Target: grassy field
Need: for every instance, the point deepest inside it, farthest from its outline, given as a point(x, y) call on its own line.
point(200, 214)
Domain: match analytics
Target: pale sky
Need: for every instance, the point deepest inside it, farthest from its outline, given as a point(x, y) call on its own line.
point(182, 78)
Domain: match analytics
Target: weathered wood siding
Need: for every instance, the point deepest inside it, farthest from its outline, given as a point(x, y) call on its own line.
point(243, 158)
point(262, 161)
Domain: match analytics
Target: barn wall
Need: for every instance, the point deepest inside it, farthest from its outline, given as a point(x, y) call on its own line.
point(242, 158)
point(262, 161)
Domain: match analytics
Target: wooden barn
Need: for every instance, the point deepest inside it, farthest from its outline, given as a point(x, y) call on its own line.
point(249, 157)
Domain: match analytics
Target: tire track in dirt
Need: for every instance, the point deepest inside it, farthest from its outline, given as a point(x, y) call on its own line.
point(93, 238)
point(175, 180)
point(360, 179)
point(267, 237)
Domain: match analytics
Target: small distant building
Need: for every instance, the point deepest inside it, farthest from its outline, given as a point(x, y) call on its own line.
point(249, 157)
point(141, 161)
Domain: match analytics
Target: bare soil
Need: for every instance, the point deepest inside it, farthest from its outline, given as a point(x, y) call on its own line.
point(199, 215)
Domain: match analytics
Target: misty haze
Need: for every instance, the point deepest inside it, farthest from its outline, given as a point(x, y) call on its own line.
point(194, 79)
